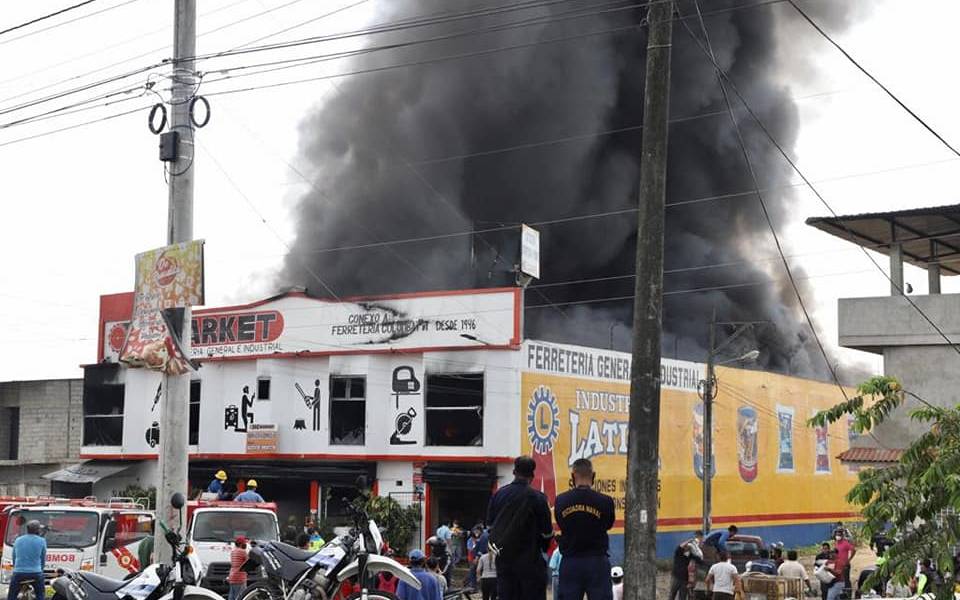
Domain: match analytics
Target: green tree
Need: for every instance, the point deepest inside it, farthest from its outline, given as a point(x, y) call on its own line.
point(148, 496)
point(396, 522)
point(918, 497)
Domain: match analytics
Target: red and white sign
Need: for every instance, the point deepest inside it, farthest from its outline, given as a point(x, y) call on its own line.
point(114, 333)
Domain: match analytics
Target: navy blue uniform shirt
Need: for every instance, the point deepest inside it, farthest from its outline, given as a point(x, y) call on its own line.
point(584, 516)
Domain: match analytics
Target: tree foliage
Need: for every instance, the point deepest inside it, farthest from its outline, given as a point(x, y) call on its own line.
point(916, 500)
point(396, 522)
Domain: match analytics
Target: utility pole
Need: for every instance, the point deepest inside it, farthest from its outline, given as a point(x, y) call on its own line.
point(174, 418)
point(709, 394)
point(644, 427)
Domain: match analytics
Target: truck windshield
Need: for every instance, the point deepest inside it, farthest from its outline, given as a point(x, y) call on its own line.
point(226, 526)
point(63, 529)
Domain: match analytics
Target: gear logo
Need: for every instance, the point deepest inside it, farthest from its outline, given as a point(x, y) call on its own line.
point(543, 420)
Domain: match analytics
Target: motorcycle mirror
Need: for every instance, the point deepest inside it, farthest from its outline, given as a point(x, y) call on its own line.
point(178, 501)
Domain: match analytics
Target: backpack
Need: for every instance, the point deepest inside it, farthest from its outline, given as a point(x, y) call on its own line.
point(509, 535)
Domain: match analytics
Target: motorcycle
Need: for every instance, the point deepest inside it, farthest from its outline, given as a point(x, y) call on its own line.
point(177, 581)
point(295, 574)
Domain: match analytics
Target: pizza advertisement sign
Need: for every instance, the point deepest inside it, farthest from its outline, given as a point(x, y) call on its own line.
point(166, 278)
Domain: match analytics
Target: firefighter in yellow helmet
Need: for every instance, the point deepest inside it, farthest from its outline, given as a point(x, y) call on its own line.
point(216, 486)
point(250, 494)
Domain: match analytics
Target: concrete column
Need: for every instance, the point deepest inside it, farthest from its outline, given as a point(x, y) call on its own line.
point(896, 269)
point(933, 270)
point(933, 278)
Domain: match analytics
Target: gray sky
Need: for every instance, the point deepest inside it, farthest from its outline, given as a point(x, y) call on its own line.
point(77, 205)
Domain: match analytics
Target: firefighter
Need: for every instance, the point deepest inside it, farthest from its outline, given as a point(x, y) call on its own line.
point(216, 486)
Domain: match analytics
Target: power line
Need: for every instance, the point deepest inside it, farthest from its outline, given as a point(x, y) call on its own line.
point(61, 24)
point(820, 196)
point(889, 93)
point(46, 16)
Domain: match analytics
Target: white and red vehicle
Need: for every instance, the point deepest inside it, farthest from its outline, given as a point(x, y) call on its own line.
point(214, 525)
point(81, 535)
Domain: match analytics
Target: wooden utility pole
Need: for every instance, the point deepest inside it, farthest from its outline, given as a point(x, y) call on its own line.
point(174, 411)
point(644, 432)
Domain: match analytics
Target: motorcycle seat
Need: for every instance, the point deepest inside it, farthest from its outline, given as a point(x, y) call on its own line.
point(107, 585)
point(293, 553)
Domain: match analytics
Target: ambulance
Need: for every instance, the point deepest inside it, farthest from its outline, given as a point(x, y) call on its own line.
point(81, 535)
point(214, 525)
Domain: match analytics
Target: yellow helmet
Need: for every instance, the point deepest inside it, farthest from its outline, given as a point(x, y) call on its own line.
point(252, 483)
point(221, 475)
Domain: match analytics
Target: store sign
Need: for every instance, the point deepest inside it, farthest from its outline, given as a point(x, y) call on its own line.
point(261, 438)
point(114, 334)
point(530, 252)
point(297, 324)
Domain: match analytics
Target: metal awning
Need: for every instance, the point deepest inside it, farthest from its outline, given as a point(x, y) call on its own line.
point(927, 235)
point(90, 471)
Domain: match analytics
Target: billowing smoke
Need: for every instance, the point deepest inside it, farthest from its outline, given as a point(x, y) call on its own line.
point(546, 130)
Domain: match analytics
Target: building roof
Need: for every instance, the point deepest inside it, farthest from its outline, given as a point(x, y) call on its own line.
point(928, 235)
point(871, 455)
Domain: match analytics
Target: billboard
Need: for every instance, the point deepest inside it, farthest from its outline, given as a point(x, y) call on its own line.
point(770, 469)
point(166, 278)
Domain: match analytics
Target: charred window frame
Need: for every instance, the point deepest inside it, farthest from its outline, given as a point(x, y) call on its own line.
point(103, 399)
point(454, 407)
point(348, 411)
point(10, 433)
point(263, 388)
point(195, 388)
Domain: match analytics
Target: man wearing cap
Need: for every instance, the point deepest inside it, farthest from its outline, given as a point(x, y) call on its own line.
point(429, 586)
point(584, 516)
point(216, 486)
point(250, 494)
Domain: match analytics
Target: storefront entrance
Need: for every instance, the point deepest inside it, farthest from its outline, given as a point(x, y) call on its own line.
point(458, 492)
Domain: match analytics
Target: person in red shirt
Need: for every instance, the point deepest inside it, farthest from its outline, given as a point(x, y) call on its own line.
point(237, 578)
point(841, 565)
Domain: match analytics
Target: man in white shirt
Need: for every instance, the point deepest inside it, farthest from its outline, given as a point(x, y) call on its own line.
point(792, 569)
point(723, 579)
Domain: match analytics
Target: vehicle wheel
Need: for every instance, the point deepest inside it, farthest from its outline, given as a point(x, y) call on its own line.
point(373, 595)
point(262, 590)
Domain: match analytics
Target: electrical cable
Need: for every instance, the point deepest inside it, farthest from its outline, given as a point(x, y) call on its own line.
point(763, 205)
point(75, 19)
point(886, 90)
point(46, 16)
point(819, 196)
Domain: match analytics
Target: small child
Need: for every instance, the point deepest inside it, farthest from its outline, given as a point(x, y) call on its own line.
point(237, 578)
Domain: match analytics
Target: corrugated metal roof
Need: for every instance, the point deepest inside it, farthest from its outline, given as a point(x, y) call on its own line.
point(871, 455)
point(928, 235)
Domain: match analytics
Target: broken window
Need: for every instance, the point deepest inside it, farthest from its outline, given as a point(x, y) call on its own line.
point(454, 407)
point(102, 406)
point(194, 412)
point(348, 411)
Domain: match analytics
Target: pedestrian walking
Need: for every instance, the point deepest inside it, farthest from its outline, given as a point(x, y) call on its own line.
point(584, 516)
point(685, 553)
point(723, 579)
point(823, 557)
point(520, 531)
point(237, 577)
point(487, 573)
point(845, 553)
point(458, 536)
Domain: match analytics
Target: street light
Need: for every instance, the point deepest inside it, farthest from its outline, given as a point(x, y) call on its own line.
point(708, 391)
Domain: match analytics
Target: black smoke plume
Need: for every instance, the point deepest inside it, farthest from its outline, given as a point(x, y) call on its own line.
point(507, 133)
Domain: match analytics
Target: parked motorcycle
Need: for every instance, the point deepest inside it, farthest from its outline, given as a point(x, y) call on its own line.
point(294, 574)
point(176, 581)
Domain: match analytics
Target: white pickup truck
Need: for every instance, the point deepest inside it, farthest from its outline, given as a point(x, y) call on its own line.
point(214, 525)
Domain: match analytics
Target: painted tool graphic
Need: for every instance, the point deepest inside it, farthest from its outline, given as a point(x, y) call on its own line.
point(404, 383)
point(404, 424)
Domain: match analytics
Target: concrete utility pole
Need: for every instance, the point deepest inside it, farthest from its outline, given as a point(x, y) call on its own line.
point(175, 413)
point(644, 432)
point(709, 394)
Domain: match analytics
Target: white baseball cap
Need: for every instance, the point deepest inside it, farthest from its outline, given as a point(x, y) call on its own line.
point(616, 572)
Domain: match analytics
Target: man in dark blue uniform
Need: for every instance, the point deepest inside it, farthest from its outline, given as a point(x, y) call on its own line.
point(584, 516)
point(521, 535)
